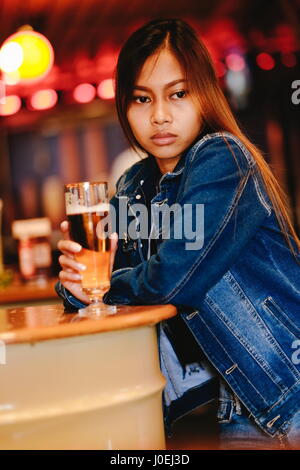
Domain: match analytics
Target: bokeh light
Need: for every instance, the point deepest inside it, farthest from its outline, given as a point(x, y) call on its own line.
point(11, 105)
point(106, 89)
point(11, 78)
point(289, 59)
point(43, 99)
point(235, 62)
point(84, 93)
point(265, 61)
point(11, 56)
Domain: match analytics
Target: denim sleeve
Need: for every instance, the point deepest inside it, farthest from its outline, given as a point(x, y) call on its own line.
point(233, 212)
point(70, 302)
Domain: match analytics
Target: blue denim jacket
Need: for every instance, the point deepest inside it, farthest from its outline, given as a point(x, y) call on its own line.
point(238, 294)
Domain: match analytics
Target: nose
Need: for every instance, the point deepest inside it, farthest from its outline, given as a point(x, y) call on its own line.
point(160, 113)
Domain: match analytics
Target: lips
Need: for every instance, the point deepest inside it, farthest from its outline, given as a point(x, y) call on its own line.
point(163, 138)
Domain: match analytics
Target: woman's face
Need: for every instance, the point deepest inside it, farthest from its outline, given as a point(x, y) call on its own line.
point(164, 118)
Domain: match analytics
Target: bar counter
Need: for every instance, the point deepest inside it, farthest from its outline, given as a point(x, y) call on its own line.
point(68, 382)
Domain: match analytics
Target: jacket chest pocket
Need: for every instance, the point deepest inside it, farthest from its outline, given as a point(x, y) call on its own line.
point(278, 315)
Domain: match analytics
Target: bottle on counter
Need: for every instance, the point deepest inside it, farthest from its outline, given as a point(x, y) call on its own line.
point(26, 261)
point(34, 248)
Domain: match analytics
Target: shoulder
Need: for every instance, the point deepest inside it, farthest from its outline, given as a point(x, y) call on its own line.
point(215, 148)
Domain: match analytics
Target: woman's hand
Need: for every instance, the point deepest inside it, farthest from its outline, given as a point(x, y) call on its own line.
point(70, 275)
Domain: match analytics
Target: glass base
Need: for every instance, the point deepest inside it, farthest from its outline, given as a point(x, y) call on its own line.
point(97, 310)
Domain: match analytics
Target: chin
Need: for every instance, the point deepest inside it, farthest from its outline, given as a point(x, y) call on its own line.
point(165, 152)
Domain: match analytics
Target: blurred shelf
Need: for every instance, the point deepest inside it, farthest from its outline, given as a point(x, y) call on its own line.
point(31, 291)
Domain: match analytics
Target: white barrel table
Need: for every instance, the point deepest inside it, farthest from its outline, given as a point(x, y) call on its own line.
point(68, 382)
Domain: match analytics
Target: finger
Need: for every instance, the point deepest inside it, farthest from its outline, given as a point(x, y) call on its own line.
point(68, 276)
point(64, 226)
point(68, 246)
point(70, 263)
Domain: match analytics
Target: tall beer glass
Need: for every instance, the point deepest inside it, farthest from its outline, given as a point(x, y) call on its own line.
point(87, 211)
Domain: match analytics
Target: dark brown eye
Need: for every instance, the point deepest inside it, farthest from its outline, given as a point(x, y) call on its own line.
point(180, 94)
point(140, 99)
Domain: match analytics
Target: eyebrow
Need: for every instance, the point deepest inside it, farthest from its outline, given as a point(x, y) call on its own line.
point(168, 85)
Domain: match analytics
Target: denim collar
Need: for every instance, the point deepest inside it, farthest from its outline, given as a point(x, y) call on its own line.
point(154, 168)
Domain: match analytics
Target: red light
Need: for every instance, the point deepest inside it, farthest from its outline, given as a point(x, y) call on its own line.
point(235, 62)
point(289, 59)
point(220, 69)
point(106, 89)
point(84, 93)
point(43, 99)
point(10, 105)
point(265, 61)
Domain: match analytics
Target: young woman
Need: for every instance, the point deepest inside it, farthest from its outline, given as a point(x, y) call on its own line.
point(235, 278)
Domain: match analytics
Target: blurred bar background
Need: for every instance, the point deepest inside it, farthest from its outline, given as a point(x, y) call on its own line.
point(71, 132)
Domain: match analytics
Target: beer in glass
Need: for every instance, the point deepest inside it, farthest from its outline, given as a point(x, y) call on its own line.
point(87, 211)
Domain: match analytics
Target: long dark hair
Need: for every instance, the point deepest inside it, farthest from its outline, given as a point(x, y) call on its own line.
point(200, 73)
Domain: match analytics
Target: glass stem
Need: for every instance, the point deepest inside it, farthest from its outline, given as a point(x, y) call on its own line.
point(96, 298)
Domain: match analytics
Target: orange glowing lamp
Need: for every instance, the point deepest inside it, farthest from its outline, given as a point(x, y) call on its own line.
point(29, 53)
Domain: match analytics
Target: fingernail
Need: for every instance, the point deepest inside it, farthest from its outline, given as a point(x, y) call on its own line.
point(82, 267)
point(77, 277)
point(77, 248)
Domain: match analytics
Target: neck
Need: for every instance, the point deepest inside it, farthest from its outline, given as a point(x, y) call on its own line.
point(166, 165)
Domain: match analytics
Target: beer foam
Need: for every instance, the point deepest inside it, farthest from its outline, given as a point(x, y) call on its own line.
point(74, 209)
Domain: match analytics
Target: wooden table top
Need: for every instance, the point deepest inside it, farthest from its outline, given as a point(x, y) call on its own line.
point(46, 322)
